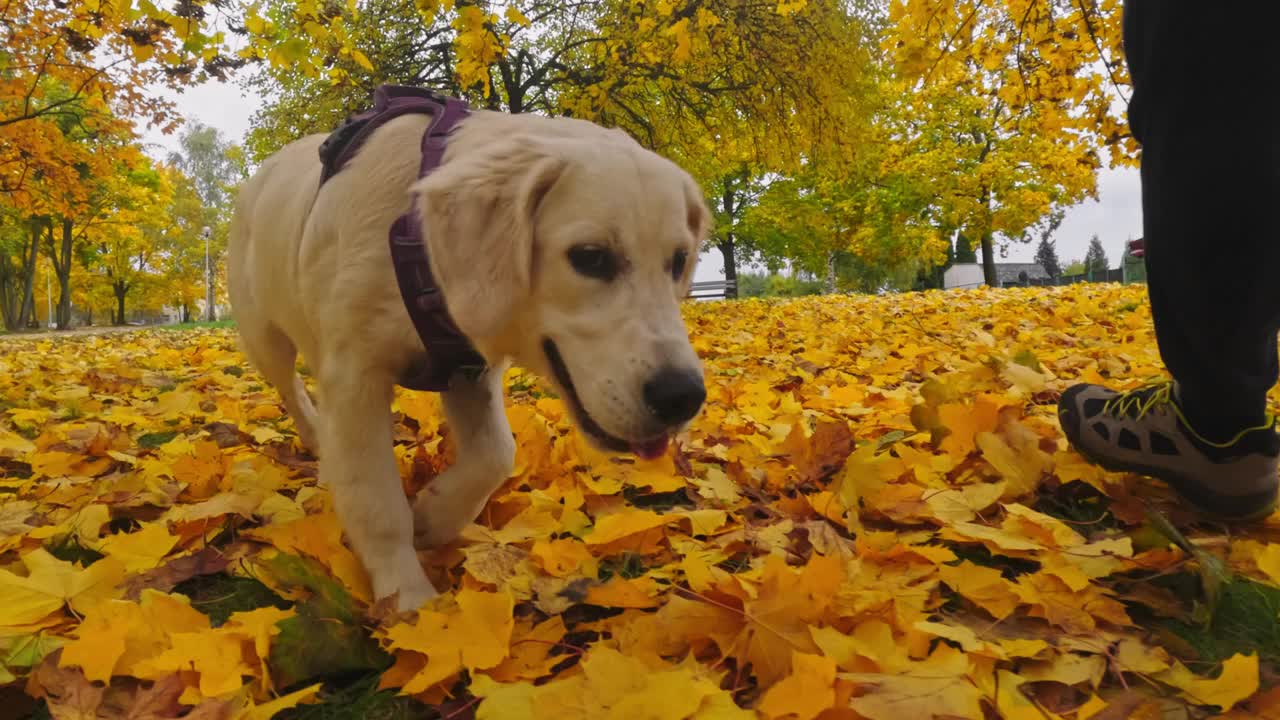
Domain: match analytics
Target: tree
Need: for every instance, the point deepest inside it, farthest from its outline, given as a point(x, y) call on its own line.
point(733, 90)
point(85, 61)
point(75, 78)
point(736, 70)
point(854, 234)
point(19, 248)
point(1047, 257)
point(1014, 102)
point(215, 166)
point(862, 222)
point(126, 250)
point(964, 251)
point(731, 197)
point(1095, 260)
point(180, 245)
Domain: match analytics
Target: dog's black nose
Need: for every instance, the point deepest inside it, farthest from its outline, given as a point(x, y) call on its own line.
point(675, 395)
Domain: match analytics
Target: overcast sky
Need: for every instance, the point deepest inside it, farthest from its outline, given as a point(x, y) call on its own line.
point(1115, 217)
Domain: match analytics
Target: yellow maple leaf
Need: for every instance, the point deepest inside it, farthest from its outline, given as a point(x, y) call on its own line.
point(320, 536)
point(476, 636)
point(142, 549)
point(963, 504)
point(965, 422)
point(871, 648)
point(612, 686)
point(14, 445)
point(52, 583)
point(1017, 457)
point(272, 708)
point(629, 522)
point(806, 692)
point(532, 649)
point(1269, 562)
point(217, 656)
point(936, 687)
point(641, 592)
point(1238, 680)
point(983, 586)
point(201, 470)
point(564, 557)
point(118, 635)
point(1013, 704)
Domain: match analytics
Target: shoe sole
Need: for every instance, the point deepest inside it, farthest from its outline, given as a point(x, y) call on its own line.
point(1176, 482)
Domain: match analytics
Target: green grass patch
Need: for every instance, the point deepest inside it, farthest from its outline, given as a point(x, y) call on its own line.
point(1009, 567)
point(197, 325)
point(1244, 621)
point(1080, 505)
point(659, 502)
point(628, 565)
point(360, 700)
point(154, 440)
point(69, 549)
point(221, 595)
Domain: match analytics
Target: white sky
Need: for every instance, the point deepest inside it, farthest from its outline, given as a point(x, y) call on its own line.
point(1115, 217)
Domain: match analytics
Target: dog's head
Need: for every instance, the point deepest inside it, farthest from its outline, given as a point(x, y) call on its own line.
point(570, 255)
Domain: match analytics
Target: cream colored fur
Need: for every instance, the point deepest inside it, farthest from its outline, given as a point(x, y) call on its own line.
point(310, 272)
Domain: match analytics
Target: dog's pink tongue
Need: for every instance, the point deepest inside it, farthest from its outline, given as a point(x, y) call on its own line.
point(650, 449)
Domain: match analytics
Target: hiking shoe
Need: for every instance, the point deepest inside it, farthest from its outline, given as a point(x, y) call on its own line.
point(1144, 431)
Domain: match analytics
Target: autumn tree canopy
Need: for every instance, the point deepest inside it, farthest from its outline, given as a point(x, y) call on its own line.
point(1014, 106)
point(848, 139)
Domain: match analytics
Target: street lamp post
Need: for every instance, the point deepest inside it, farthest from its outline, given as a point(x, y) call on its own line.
point(206, 233)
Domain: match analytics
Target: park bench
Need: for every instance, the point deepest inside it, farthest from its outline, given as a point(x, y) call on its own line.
point(713, 289)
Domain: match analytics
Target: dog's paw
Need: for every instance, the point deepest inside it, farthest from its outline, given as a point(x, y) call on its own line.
point(437, 523)
point(397, 573)
point(410, 596)
point(433, 537)
point(410, 600)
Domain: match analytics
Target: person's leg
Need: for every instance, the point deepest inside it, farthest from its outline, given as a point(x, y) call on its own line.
point(1204, 111)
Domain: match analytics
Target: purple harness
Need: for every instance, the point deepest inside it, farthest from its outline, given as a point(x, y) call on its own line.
point(448, 350)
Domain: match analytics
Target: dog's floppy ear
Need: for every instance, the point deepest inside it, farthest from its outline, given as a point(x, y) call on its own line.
point(478, 213)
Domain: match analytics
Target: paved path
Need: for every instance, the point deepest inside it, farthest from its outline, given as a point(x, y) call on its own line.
point(91, 330)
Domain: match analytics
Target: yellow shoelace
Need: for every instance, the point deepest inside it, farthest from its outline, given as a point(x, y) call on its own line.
point(1134, 400)
point(1161, 394)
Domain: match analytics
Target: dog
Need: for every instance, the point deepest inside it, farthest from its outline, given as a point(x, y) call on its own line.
point(559, 245)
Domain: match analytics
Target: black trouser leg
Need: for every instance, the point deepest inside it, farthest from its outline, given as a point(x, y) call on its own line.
point(1206, 82)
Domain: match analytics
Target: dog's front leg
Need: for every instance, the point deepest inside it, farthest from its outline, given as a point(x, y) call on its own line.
point(486, 455)
point(359, 466)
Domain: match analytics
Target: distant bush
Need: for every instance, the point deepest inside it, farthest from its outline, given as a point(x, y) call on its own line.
point(774, 285)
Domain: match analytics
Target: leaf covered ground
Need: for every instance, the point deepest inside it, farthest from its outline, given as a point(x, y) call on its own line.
point(876, 516)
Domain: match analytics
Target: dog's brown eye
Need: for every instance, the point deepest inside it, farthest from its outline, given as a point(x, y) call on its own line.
point(678, 261)
point(594, 261)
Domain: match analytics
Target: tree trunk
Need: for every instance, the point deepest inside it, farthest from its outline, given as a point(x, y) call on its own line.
point(989, 261)
point(829, 285)
point(989, 274)
point(121, 288)
point(725, 245)
point(27, 309)
point(209, 313)
point(8, 308)
point(62, 268)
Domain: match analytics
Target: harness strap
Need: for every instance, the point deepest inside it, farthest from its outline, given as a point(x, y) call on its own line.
point(449, 352)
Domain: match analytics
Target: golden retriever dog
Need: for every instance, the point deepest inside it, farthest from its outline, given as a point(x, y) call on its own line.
point(559, 245)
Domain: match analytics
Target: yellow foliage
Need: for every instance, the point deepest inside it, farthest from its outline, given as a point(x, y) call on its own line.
point(865, 521)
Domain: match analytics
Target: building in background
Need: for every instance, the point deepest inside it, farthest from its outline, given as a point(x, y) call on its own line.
point(969, 275)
